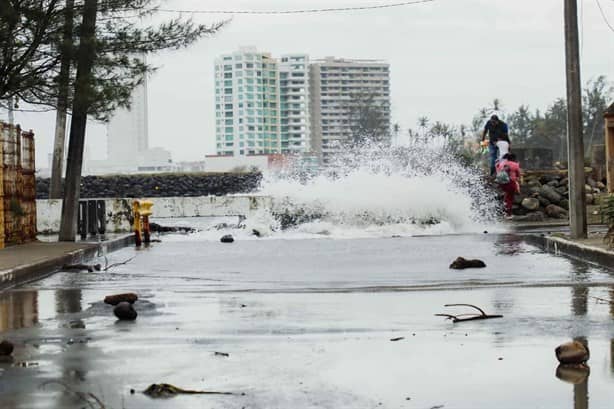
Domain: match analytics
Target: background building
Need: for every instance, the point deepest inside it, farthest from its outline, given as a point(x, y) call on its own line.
point(290, 106)
point(128, 131)
point(247, 104)
point(128, 148)
point(294, 108)
point(340, 91)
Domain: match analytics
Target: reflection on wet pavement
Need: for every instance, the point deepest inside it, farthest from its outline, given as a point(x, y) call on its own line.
point(282, 346)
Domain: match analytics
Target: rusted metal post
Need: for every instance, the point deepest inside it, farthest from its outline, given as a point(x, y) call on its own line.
point(609, 147)
point(2, 129)
point(28, 172)
point(136, 213)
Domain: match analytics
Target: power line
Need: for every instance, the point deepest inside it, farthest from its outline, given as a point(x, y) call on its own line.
point(303, 11)
point(605, 18)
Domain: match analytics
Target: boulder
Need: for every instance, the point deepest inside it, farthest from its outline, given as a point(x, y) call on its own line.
point(6, 348)
point(461, 263)
point(564, 182)
point(530, 203)
point(573, 374)
point(572, 353)
point(549, 193)
point(530, 217)
point(556, 212)
point(553, 183)
point(562, 190)
point(125, 311)
point(227, 239)
point(535, 216)
point(600, 186)
point(564, 204)
point(544, 179)
point(116, 299)
point(544, 202)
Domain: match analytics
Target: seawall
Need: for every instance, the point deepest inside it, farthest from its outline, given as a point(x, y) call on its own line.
point(119, 214)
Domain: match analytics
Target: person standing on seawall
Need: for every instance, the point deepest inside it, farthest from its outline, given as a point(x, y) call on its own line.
point(508, 178)
point(495, 129)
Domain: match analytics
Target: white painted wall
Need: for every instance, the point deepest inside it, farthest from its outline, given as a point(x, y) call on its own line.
point(119, 210)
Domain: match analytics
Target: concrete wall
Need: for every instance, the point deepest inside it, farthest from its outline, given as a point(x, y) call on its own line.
point(119, 210)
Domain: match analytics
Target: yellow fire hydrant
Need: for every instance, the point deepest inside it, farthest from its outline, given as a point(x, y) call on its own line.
point(142, 210)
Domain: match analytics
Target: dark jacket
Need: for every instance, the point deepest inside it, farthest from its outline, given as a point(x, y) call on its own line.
point(496, 130)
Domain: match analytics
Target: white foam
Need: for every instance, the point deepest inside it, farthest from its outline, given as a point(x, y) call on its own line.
point(374, 191)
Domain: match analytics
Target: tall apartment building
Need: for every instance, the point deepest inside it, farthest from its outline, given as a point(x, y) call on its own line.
point(247, 102)
point(127, 130)
point(266, 106)
point(294, 109)
point(334, 86)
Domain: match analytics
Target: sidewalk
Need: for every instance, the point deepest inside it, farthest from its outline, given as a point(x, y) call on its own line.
point(23, 263)
point(593, 249)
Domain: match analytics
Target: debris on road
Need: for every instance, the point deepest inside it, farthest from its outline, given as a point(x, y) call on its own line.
point(468, 317)
point(6, 348)
point(156, 228)
point(397, 339)
point(224, 354)
point(462, 263)
point(125, 311)
point(574, 374)
point(117, 298)
point(227, 239)
point(80, 267)
point(165, 390)
point(108, 267)
point(573, 353)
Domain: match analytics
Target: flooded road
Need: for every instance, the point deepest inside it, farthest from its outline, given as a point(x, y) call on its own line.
point(308, 324)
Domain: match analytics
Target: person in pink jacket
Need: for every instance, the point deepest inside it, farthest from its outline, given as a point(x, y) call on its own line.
point(510, 165)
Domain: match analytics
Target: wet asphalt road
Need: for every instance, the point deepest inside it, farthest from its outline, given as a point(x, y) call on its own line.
point(308, 323)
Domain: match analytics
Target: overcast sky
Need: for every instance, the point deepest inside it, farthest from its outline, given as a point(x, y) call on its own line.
point(448, 59)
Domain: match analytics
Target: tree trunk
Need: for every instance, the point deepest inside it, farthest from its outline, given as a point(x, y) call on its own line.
point(55, 188)
point(81, 104)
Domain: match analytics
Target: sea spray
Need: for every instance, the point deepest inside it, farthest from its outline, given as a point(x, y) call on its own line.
point(378, 188)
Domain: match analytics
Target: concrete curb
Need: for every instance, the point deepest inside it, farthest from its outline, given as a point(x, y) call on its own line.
point(558, 245)
point(27, 273)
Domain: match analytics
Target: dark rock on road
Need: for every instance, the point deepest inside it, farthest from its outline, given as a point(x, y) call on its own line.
point(125, 311)
point(461, 263)
point(130, 298)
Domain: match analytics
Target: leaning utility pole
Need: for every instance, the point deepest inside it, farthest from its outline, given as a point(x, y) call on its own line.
point(575, 145)
point(55, 186)
point(81, 104)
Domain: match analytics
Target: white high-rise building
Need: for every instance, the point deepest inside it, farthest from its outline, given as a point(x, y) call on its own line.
point(294, 108)
point(127, 131)
point(128, 148)
point(247, 104)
